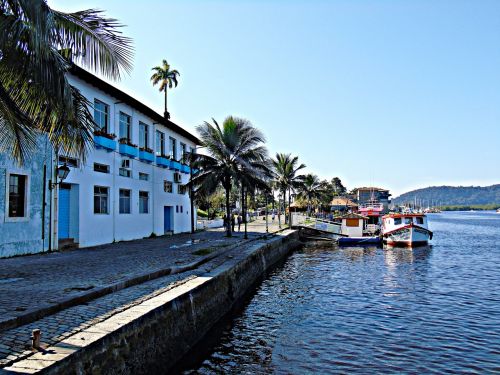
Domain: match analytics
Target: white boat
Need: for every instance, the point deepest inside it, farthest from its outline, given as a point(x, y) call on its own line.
point(405, 229)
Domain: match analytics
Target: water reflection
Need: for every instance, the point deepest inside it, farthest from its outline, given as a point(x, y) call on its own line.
point(371, 310)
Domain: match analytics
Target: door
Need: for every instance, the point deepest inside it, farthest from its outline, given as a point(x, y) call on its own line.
point(63, 228)
point(167, 219)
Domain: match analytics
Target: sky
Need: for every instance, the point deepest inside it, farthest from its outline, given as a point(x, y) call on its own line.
point(397, 94)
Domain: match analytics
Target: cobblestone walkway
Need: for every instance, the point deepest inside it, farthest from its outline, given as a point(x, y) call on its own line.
point(31, 284)
point(15, 343)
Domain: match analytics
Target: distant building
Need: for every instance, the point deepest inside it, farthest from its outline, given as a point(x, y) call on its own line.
point(366, 194)
point(342, 204)
point(130, 186)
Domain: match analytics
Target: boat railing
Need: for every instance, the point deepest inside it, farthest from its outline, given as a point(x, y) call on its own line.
point(375, 206)
point(316, 223)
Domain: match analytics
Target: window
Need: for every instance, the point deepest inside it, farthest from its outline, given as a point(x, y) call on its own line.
point(143, 135)
point(143, 202)
point(167, 186)
point(173, 148)
point(100, 200)
point(124, 201)
point(181, 208)
point(177, 209)
point(70, 162)
point(124, 172)
point(101, 115)
point(160, 143)
point(102, 168)
point(181, 189)
point(408, 220)
point(17, 195)
point(397, 221)
point(352, 222)
point(125, 121)
point(143, 176)
point(420, 220)
point(183, 152)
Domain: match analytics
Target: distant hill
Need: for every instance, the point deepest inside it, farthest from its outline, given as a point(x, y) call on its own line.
point(453, 195)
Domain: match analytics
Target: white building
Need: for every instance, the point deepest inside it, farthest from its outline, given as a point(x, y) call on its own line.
point(131, 186)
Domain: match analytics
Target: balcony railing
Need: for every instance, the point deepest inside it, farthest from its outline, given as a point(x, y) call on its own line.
point(146, 156)
point(162, 161)
point(105, 143)
point(185, 168)
point(128, 150)
point(175, 165)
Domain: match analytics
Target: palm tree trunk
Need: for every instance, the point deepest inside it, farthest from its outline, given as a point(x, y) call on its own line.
point(166, 114)
point(289, 208)
point(284, 205)
point(245, 219)
point(228, 210)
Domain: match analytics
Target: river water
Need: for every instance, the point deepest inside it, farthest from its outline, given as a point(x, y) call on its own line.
point(365, 310)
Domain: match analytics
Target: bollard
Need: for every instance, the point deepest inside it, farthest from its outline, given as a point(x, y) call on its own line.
point(35, 338)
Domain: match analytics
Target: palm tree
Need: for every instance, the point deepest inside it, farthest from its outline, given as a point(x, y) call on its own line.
point(235, 154)
point(286, 177)
point(37, 45)
point(167, 78)
point(311, 189)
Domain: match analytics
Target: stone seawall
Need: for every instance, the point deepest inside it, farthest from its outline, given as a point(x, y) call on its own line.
point(152, 336)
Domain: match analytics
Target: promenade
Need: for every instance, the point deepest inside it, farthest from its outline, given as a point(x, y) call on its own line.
point(62, 293)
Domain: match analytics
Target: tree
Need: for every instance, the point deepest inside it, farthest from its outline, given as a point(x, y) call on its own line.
point(286, 177)
point(167, 78)
point(235, 154)
point(337, 186)
point(311, 190)
point(37, 45)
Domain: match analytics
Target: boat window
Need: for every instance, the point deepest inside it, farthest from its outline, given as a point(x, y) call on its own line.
point(408, 220)
point(397, 220)
point(352, 222)
point(420, 220)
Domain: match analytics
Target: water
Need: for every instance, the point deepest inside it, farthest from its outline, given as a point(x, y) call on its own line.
point(367, 310)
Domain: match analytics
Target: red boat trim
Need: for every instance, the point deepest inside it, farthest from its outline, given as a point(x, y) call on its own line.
point(408, 226)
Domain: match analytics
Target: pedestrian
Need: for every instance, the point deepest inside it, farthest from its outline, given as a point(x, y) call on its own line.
point(240, 220)
point(232, 222)
point(273, 217)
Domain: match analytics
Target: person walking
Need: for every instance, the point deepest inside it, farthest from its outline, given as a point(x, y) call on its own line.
point(240, 220)
point(232, 222)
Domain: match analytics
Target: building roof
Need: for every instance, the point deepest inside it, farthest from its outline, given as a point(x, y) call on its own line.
point(351, 215)
point(127, 99)
point(341, 201)
point(370, 188)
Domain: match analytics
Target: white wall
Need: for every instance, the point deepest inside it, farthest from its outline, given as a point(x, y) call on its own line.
point(95, 229)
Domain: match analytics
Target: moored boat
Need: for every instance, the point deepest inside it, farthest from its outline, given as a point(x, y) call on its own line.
point(405, 229)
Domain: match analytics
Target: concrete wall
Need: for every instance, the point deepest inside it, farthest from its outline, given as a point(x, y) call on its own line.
point(24, 235)
point(154, 340)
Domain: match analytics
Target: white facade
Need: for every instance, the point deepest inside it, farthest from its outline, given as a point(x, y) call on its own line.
point(79, 219)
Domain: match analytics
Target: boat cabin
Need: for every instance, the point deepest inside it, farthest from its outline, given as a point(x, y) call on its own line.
point(405, 219)
point(352, 224)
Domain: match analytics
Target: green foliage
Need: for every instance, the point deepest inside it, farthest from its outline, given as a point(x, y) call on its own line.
point(202, 213)
point(476, 207)
point(453, 195)
point(36, 45)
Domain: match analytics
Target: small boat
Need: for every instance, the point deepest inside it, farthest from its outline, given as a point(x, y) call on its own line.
point(405, 229)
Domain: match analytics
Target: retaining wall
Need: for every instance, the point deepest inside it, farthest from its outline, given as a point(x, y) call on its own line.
point(152, 336)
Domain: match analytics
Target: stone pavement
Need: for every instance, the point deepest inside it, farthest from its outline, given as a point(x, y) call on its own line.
point(36, 285)
point(15, 342)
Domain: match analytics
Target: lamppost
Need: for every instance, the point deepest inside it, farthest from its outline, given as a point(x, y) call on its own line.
point(62, 172)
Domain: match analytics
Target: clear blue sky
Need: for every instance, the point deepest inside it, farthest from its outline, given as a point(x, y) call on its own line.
point(400, 94)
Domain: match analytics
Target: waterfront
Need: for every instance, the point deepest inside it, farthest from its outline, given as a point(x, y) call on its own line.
point(366, 310)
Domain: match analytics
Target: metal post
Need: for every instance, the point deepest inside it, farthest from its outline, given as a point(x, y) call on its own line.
point(191, 190)
point(267, 219)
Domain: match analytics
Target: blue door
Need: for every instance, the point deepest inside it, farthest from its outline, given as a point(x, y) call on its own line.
point(167, 219)
point(63, 219)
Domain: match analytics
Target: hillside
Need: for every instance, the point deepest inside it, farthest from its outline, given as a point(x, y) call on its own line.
point(453, 195)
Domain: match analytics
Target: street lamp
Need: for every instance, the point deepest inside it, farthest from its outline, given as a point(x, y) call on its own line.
point(61, 174)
